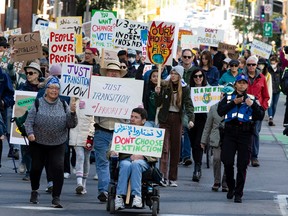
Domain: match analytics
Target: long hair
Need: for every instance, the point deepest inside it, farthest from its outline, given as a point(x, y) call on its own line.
point(179, 92)
point(192, 82)
point(208, 56)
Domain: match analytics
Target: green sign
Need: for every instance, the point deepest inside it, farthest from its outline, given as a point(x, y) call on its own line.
point(267, 29)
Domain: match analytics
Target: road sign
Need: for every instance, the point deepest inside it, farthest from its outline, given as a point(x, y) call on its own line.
point(268, 8)
point(267, 29)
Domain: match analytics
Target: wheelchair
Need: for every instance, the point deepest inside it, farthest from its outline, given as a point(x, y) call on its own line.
point(150, 189)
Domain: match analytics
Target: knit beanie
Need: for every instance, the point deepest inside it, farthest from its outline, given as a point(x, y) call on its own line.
point(55, 70)
point(178, 69)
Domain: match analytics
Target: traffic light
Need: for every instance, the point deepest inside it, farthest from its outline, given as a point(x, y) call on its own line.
point(262, 13)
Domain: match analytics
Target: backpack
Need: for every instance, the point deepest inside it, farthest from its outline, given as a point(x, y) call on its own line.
point(21, 120)
point(284, 81)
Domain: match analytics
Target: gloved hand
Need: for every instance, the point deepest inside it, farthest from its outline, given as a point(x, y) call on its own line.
point(89, 143)
point(285, 132)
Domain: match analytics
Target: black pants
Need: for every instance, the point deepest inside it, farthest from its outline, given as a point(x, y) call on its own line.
point(236, 140)
point(54, 156)
point(286, 112)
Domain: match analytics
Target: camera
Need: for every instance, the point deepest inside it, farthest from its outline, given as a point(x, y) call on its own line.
point(286, 49)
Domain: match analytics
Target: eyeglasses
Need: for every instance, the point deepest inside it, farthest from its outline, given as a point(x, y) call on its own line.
point(187, 57)
point(234, 65)
point(30, 73)
point(54, 88)
point(251, 65)
point(123, 67)
point(88, 53)
point(198, 76)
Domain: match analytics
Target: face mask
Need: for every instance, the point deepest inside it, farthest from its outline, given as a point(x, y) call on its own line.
point(261, 66)
point(274, 66)
point(131, 59)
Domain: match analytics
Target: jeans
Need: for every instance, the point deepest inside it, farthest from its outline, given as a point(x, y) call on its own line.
point(82, 161)
point(273, 105)
point(185, 145)
point(101, 142)
point(132, 169)
point(255, 139)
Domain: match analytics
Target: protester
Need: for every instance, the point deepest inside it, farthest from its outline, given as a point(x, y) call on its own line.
point(230, 75)
point(91, 54)
point(239, 110)
point(104, 128)
point(211, 72)
point(218, 58)
point(173, 97)
point(47, 141)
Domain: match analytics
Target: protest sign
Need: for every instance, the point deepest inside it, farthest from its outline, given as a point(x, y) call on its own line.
point(144, 39)
point(209, 36)
point(113, 97)
point(160, 45)
point(27, 46)
point(189, 42)
point(102, 27)
point(44, 33)
point(87, 28)
point(261, 49)
point(138, 140)
point(23, 101)
point(75, 80)
point(230, 48)
point(127, 34)
point(110, 55)
point(16, 31)
point(73, 22)
point(61, 46)
point(204, 97)
point(181, 33)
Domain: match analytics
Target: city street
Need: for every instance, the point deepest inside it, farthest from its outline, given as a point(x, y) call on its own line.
point(265, 192)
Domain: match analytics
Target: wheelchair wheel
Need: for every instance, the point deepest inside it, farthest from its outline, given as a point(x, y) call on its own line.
point(155, 208)
point(112, 205)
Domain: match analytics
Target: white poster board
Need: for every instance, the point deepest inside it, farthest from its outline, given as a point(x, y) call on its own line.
point(261, 49)
point(209, 36)
point(189, 42)
point(113, 97)
point(138, 140)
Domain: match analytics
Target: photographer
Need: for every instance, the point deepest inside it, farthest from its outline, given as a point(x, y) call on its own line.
point(240, 111)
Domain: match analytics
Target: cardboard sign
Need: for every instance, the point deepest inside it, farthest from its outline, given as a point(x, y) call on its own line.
point(61, 46)
point(204, 97)
point(113, 97)
point(230, 48)
point(75, 80)
point(23, 101)
point(102, 27)
point(73, 22)
point(261, 49)
point(44, 33)
point(28, 46)
point(138, 140)
point(127, 33)
point(189, 41)
point(209, 36)
point(160, 44)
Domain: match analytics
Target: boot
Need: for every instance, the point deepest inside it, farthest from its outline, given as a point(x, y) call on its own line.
point(197, 173)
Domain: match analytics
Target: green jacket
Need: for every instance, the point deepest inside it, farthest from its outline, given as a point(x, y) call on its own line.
point(187, 74)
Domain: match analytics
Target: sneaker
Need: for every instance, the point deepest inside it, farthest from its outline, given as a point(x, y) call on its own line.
point(95, 177)
point(225, 189)
point(84, 191)
point(103, 196)
point(119, 202)
point(270, 122)
point(238, 199)
point(216, 187)
point(66, 175)
point(26, 178)
point(173, 184)
point(49, 189)
point(137, 202)
point(187, 162)
point(230, 194)
point(79, 189)
point(255, 163)
point(34, 197)
point(56, 202)
point(22, 168)
point(163, 182)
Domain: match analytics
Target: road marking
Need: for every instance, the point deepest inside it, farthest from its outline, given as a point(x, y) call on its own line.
point(32, 207)
point(282, 202)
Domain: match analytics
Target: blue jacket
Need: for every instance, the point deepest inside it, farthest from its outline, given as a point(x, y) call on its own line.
point(6, 90)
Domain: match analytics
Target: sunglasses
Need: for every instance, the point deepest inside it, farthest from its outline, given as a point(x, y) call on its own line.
point(187, 57)
point(251, 65)
point(198, 76)
point(123, 67)
point(30, 73)
point(234, 65)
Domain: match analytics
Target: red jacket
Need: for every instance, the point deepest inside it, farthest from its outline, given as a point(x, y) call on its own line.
point(260, 90)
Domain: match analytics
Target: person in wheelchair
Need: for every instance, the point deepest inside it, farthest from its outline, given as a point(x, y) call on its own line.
point(131, 167)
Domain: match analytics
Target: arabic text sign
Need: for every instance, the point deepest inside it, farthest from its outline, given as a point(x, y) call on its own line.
point(261, 49)
point(73, 22)
point(210, 36)
point(127, 33)
point(28, 46)
point(204, 97)
point(23, 101)
point(189, 41)
point(113, 97)
point(75, 80)
point(61, 46)
point(161, 37)
point(102, 27)
point(132, 139)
